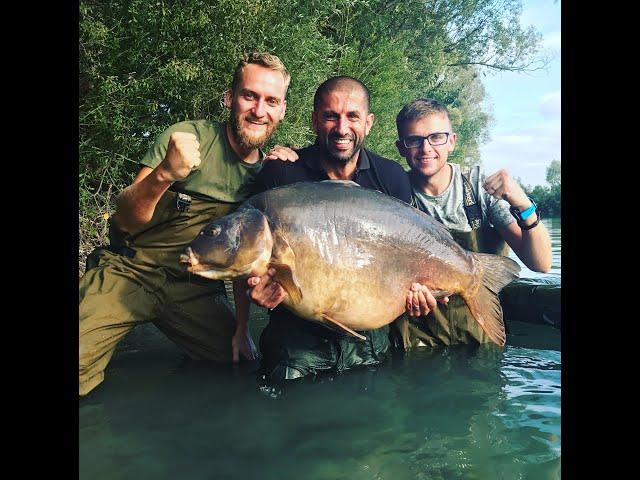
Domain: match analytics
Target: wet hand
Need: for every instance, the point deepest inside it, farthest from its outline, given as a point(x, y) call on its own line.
point(285, 154)
point(182, 157)
point(242, 343)
point(420, 301)
point(502, 186)
point(265, 291)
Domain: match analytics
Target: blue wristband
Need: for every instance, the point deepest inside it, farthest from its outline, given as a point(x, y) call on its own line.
point(522, 216)
point(529, 211)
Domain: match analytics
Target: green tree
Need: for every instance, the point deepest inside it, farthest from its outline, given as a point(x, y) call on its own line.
point(553, 173)
point(147, 64)
point(548, 197)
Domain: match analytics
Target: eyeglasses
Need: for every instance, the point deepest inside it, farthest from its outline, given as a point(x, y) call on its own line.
point(435, 139)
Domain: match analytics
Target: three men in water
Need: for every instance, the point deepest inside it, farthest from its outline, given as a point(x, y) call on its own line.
point(198, 170)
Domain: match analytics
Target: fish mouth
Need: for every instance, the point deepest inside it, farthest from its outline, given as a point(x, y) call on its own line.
point(193, 265)
point(188, 258)
point(217, 272)
point(210, 273)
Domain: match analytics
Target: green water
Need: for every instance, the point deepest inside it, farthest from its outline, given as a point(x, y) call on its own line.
point(455, 413)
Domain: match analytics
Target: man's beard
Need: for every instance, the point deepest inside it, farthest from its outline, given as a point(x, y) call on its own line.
point(247, 140)
point(342, 157)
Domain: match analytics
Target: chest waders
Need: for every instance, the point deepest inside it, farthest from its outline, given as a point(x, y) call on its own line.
point(453, 323)
point(137, 279)
point(176, 221)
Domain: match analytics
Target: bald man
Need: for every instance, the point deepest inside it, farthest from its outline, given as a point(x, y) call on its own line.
point(293, 347)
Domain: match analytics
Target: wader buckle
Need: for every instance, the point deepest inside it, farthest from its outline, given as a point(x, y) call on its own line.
point(183, 202)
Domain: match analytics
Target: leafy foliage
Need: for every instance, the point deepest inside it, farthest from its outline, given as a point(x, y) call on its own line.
point(548, 197)
point(146, 64)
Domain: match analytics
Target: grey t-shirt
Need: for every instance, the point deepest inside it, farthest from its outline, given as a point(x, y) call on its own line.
point(448, 207)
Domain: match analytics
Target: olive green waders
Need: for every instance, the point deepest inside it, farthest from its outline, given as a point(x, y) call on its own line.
point(453, 323)
point(118, 291)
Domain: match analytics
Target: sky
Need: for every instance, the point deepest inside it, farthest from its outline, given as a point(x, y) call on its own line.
point(525, 132)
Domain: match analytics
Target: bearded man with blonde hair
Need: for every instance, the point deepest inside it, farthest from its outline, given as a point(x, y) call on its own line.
point(194, 172)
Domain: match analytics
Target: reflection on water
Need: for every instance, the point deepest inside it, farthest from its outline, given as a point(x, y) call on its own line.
point(461, 412)
point(455, 413)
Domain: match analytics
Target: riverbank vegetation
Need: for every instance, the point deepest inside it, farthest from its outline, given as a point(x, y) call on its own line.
point(147, 64)
point(547, 197)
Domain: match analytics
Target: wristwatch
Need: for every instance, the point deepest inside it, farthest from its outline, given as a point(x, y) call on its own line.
point(522, 216)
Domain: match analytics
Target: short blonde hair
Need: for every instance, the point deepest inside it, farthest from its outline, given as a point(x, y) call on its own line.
point(264, 59)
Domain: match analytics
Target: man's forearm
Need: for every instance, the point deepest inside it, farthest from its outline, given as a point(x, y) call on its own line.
point(136, 204)
point(535, 248)
point(242, 305)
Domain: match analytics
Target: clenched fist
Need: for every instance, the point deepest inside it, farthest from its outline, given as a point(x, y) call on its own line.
point(502, 185)
point(183, 155)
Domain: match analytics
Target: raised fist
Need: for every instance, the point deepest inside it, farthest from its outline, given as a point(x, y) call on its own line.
point(502, 185)
point(182, 157)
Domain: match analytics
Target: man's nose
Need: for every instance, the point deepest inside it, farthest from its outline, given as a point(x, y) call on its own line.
point(342, 127)
point(259, 109)
point(425, 147)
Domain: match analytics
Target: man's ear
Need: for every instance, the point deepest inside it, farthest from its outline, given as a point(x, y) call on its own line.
point(452, 142)
point(284, 109)
point(228, 98)
point(401, 148)
point(314, 122)
point(369, 123)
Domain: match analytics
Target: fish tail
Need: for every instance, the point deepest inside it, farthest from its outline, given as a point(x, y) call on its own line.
point(485, 305)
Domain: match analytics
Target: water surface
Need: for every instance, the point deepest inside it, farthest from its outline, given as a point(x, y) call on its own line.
point(461, 412)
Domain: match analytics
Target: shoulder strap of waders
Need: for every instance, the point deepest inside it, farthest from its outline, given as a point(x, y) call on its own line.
point(471, 208)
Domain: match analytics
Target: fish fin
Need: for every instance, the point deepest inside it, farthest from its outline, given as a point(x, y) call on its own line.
point(437, 294)
point(343, 328)
point(287, 279)
point(485, 305)
point(284, 261)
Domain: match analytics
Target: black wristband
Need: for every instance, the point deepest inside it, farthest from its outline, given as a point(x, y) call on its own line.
point(529, 227)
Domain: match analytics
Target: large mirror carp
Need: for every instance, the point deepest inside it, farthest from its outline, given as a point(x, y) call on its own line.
point(347, 256)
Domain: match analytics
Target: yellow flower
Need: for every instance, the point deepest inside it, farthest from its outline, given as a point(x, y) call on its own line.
point(106, 215)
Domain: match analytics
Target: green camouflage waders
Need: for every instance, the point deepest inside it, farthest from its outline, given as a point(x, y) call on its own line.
point(143, 282)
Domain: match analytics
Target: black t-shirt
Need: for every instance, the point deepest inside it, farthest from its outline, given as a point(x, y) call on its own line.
point(372, 171)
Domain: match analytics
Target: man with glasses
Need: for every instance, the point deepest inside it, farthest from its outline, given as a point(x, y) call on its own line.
point(483, 215)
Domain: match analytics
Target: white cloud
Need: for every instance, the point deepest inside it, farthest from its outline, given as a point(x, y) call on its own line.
point(550, 105)
point(524, 152)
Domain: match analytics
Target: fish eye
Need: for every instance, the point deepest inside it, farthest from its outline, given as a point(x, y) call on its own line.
point(214, 231)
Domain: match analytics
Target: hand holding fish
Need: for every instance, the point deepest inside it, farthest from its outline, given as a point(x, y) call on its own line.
point(183, 155)
point(265, 291)
point(502, 186)
point(280, 152)
point(420, 301)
